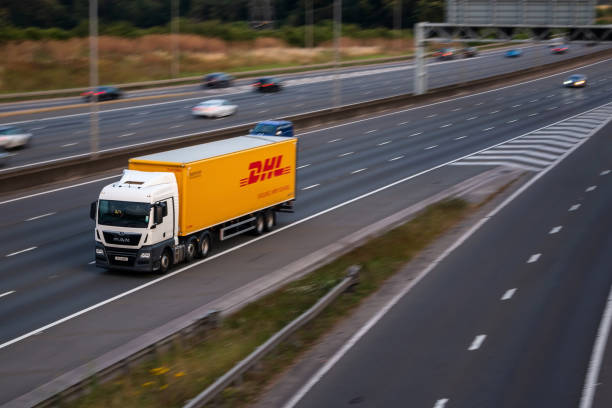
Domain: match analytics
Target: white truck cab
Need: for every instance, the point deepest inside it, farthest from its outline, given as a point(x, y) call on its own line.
point(136, 218)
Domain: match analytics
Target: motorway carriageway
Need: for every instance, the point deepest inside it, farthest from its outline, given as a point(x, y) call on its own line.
point(66, 133)
point(46, 241)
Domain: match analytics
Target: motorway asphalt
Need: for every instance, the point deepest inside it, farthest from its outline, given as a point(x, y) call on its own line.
point(509, 318)
point(46, 241)
point(66, 133)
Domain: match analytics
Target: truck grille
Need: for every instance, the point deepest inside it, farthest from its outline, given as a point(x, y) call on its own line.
point(121, 257)
point(121, 238)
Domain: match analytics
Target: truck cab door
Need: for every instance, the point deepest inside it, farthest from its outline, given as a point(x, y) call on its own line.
point(164, 227)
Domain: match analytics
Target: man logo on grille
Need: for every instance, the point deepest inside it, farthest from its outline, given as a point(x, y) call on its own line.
point(259, 171)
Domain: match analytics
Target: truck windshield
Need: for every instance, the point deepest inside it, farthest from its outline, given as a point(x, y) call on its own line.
point(124, 214)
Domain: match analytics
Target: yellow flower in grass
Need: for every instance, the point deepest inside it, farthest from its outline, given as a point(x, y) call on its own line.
point(148, 384)
point(179, 374)
point(163, 387)
point(159, 370)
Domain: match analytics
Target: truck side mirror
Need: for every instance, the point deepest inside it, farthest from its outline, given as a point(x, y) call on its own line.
point(158, 214)
point(92, 210)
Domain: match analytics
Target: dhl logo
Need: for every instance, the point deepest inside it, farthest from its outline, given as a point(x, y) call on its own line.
point(262, 170)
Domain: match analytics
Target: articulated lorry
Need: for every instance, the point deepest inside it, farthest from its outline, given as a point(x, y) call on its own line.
point(173, 206)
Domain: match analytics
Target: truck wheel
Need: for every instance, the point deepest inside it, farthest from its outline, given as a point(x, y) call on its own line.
point(269, 220)
point(165, 262)
point(260, 225)
point(204, 245)
point(191, 249)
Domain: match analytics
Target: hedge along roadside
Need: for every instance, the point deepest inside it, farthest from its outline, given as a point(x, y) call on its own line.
point(87, 164)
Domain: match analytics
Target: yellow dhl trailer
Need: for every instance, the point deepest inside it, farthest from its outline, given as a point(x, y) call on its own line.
point(172, 206)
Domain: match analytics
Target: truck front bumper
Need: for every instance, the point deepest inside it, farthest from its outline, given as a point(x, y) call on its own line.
point(126, 259)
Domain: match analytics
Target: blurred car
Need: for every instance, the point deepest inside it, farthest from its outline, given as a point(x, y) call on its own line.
point(562, 49)
point(575, 81)
point(517, 52)
point(3, 157)
point(273, 128)
point(555, 42)
point(214, 108)
point(12, 137)
point(470, 52)
point(102, 93)
point(267, 84)
point(445, 54)
point(217, 80)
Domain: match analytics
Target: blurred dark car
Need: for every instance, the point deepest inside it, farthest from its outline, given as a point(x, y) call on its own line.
point(575, 81)
point(273, 128)
point(470, 52)
point(102, 93)
point(514, 53)
point(217, 80)
point(562, 49)
point(267, 85)
point(445, 54)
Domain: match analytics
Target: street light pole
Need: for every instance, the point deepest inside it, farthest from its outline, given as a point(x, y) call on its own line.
point(175, 29)
point(337, 31)
point(93, 75)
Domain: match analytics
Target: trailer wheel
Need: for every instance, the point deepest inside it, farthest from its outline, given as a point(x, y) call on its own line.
point(204, 245)
point(269, 220)
point(260, 225)
point(191, 249)
point(165, 262)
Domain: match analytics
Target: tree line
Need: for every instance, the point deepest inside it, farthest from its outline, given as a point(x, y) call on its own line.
point(147, 14)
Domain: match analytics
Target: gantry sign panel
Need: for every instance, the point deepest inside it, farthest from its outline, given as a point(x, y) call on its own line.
point(529, 12)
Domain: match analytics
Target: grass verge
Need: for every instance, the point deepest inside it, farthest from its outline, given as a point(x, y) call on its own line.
point(173, 377)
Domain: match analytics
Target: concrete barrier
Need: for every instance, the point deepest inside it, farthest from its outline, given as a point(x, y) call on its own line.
point(86, 164)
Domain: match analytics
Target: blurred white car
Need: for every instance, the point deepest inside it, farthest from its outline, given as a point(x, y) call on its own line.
point(12, 137)
point(214, 108)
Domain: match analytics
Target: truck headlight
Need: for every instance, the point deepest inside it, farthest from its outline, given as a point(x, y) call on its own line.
point(99, 251)
point(145, 255)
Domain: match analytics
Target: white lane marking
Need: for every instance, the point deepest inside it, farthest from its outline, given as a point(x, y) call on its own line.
point(312, 186)
point(605, 172)
point(599, 347)
point(345, 154)
point(40, 216)
point(591, 188)
point(137, 123)
point(552, 107)
point(371, 131)
point(516, 106)
point(441, 403)
point(460, 137)
point(21, 252)
point(456, 109)
point(334, 140)
point(70, 144)
point(532, 114)
point(433, 115)
point(396, 158)
point(176, 126)
point(263, 111)
point(299, 105)
point(38, 128)
point(359, 171)
point(10, 292)
point(447, 125)
point(533, 100)
point(556, 229)
point(303, 165)
point(511, 121)
point(431, 147)
point(534, 258)
point(92, 262)
point(384, 143)
point(402, 123)
point(59, 189)
point(415, 134)
point(574, 207)
point(472, 118)
point(477, 342)
point(127, 134)
point(508, 294)
point(550, 96)
point(494, 112)
point(489, 128)
point(479, 103)
point(143, 113)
